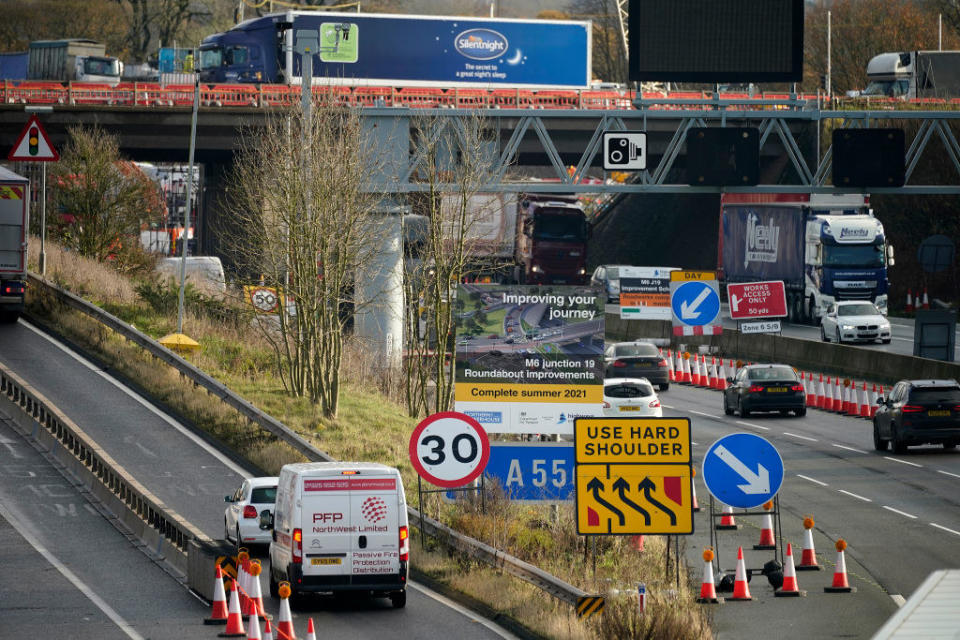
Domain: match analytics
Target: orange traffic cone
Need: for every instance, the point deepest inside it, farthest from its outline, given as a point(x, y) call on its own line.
point(808, 560)
point(637, 543)
point(311, 634)
point(267, 631)
point(811, 391)
point(219, 614)
point(670, 375)
point(853, 410)
point(708, 590)
point(254, 624)
point(714, 376)
point(837, 396)
point(695, 371)
point(864, 402)
point(243, 563)
point(790, 586)
point(255, 595)
point(234, 617)
point(767, 541)
point(740, 589)
point(873, 402)
point(926, 300)
point(693, 489)
point(840, 584)
point(727, 521)
point(909, 308)
point(821, 394)
point(722, 376)
point(285, 620)
point(677, 367)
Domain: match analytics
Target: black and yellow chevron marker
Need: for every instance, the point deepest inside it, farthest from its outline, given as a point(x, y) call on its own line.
point(228, 564)
point(589, 605)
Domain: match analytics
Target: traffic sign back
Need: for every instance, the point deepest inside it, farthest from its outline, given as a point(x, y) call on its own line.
point(742, 470)
point(33, 145)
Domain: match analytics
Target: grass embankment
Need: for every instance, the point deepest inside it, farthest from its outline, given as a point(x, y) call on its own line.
point(371, 425)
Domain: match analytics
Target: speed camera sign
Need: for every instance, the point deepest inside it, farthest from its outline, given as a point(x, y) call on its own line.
point(449, 449)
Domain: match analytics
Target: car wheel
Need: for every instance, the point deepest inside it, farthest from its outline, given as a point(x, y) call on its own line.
point(744, 412)
point(899, 446)
point(664, 386)
point(398, 599)
point(726, 406)
point(839, 339)
point(801, 412)
point(878, 443)
point(823, 334)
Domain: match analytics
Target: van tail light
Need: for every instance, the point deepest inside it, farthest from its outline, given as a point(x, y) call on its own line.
point(249, 511)
point(755, 388)
point(912, 408)
point(404, 544)
point(297, 546)
point(619, 363)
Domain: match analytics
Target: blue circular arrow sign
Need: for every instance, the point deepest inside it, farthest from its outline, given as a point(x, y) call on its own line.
point(742, 470)
point(695, 303)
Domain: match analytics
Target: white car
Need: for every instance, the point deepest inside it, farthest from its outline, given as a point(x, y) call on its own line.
point(854, 321)
point(241, 519)
point(630, 397)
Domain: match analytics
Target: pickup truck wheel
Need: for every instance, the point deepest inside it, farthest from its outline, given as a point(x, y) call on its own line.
point(398, 599)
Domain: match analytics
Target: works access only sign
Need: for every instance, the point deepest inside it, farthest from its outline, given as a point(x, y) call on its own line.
point(633, 476)
point(752, 300)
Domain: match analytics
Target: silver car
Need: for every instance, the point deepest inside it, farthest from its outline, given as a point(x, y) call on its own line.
point(854, 321)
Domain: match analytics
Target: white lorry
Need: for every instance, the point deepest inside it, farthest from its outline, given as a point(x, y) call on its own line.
point(14, 222)
point(75, 60)
point(912, 74)
point(340, 526)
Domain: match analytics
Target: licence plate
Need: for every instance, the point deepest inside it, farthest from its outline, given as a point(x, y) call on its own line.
point(629, 408)
point(325, 561)
point(776, 389)
point(938, 413)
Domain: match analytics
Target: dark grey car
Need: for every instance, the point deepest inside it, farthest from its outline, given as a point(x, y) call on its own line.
point(637, 360)
point(918, 412)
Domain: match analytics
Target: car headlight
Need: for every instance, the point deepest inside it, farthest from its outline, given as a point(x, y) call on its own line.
point(536, 268)
point(848, 327)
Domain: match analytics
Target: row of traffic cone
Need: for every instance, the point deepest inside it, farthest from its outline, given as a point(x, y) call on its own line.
point(918, 303)
point(693, 369)
point(232, 615)
point(832, 394)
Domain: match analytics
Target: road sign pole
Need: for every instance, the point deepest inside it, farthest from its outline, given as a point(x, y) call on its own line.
point(43, 219)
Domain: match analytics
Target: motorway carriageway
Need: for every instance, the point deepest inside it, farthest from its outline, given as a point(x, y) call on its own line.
point(68, 572)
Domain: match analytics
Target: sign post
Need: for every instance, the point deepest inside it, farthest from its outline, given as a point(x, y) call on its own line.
point(34, 145)
point(755, 305)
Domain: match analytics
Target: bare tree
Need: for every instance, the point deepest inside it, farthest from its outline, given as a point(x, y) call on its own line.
point(102, 199)
point(459, 152)
point(306, 224)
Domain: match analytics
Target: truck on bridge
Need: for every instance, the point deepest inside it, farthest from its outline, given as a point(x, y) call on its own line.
point(73, 60)
point(825, 248)
point(385, 50)
point(913, 74)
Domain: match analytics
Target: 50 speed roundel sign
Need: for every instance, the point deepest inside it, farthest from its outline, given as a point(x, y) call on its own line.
point(449, 449)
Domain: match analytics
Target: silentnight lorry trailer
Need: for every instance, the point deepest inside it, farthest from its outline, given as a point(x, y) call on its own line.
point(913, 74)
point(403, 50)
point(825, 248)
point(14, 222)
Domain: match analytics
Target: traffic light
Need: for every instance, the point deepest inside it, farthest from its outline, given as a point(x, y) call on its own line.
point(720, 157)
point(868, 158)
point(33, 140)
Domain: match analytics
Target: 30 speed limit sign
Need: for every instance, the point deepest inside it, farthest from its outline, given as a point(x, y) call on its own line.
point(449, 449)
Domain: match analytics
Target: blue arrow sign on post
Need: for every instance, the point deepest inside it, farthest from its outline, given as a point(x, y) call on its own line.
point(695, 303)
point(742, 470)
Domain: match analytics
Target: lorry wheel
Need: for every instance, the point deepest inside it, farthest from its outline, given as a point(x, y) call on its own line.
point(398, 599)
point(811, 316)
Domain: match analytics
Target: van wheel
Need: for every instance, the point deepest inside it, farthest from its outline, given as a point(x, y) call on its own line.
point(398, 599)
point(274, 586)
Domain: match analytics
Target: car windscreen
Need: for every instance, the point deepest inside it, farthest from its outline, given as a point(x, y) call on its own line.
point(772, 373)
point(263, 495)
point(552, 224)
point(862, 309)
point(628, 350)
point(935, 394)
point(628, 390)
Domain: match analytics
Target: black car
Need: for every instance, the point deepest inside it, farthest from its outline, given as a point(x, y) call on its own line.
point(637, 360)
point(918, 412)
point(765, 387)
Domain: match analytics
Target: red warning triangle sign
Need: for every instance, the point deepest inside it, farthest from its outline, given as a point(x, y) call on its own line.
point(33, 145)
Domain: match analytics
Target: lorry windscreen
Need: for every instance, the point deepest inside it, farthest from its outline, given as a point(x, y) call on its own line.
point(101, 67)
point(858, 255)
point(211, 58)
point(892, 88)
point(558, 225)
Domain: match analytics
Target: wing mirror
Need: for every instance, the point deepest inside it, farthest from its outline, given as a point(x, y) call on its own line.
point(266, 520)
point(881, 400)
point(228, 498)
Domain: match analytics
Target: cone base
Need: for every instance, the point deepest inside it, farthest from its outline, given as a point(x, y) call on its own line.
point(839, 589)
point(231, 635)
point(710, 600)
point(214, 621)
point(787, 594)
point(808, 567)
point(740, 598)
point(726, 527)
point(764, 547)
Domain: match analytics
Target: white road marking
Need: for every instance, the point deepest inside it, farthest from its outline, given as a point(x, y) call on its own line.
point(794, 435)
point(853, 495)
point(822, 484)
point(840, 446)
point(492, 626)
point(903, 513)
point(173, 423)
point(81, 586)
point(755, 426)
point(701, 413)
point(947, 473)
point(912, 464)
point(934, 524)
point(898, 599)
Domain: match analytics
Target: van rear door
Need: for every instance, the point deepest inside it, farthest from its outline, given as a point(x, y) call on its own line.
point(375, 505)
point(328, 529)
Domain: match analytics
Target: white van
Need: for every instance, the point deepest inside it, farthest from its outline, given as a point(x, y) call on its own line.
point(205, 272)
point(340, 526)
